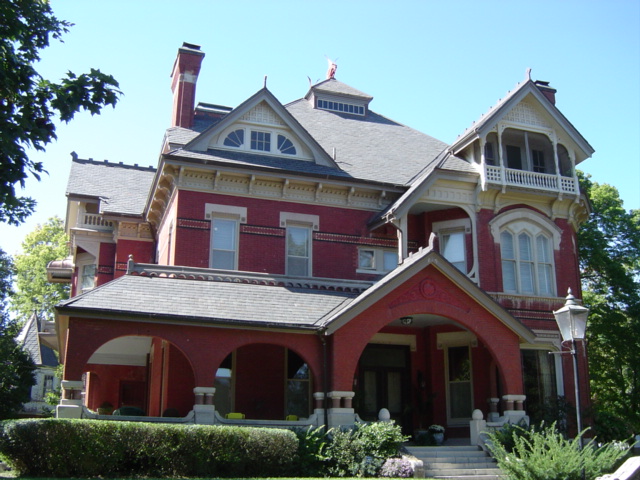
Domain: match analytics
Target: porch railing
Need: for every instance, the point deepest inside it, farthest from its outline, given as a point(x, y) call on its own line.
point(94, 221)
point(534, 180)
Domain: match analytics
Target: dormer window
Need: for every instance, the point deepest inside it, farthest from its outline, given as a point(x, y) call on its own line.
point(341, 107)
point(260, 141)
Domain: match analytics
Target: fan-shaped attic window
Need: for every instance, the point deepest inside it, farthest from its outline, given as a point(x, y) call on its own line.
point(286, 146)
point(235, 138)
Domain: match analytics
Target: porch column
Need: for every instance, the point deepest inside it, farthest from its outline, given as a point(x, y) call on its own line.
point(71, 405)
point(514, 408)
point(341, 412)
point(204, 408)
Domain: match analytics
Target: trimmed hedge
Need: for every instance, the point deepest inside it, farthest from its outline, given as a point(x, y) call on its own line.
point(86, 448)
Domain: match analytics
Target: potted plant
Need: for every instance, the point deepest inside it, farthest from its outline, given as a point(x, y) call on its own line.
point(105, 408)
point(437, 431)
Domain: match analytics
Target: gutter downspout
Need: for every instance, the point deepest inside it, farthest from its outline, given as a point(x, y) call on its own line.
point(325, 378)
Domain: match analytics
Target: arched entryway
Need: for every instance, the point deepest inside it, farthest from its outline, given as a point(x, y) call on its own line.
point(264, 381)
point(146, 373)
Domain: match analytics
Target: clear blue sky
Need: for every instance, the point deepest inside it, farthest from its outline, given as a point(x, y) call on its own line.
point(434, 66)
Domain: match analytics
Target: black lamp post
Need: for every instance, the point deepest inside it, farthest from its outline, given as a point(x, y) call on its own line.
point(572, 322)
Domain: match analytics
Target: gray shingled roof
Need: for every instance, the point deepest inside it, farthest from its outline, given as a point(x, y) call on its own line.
point(369, 148)
point(122, 189)
point(246, 159)
point(30, 342)
point(208, 302)
point(332, 85)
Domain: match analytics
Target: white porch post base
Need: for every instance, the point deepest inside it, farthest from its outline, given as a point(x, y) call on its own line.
point(204, 414)
point(69, 411)
point(341, 417)
point(204, 409)
point(477, 425)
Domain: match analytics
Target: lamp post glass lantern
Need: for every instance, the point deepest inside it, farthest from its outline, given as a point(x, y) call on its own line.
point(572, 322)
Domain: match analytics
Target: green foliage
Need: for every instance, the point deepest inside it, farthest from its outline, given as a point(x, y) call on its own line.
point(34, 293)
point(312, 458)
point(362, 451)
point(89, 448)
point(29, 103)
point(16, 366)
point(545, 454)
point(609, 250)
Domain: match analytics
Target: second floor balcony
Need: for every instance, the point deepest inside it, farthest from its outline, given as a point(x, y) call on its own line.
point(94, 221)
point(511, 177)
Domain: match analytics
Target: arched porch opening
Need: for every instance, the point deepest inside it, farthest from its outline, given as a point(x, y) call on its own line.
point(147, 373)
point(265, 381)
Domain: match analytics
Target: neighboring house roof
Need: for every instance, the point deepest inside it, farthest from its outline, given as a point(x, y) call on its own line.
point(30, 341)
point(202, 297)
point(122, 189)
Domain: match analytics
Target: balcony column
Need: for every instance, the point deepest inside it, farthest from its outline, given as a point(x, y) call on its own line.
point(556, 160)
point(503, 175)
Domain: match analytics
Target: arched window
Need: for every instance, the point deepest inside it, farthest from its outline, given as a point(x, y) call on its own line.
point(527, 265)
point(235, 138)
point(286, 146)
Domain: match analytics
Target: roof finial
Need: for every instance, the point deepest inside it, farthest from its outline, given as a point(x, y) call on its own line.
point(331, 71)
point(528, 74)
point(265, 82)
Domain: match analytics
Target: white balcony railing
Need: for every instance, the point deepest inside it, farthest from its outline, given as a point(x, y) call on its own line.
point(94, 221)
point(522, 178)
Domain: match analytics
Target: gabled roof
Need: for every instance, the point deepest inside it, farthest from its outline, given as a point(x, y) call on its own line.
point(29, 340)
point(488, 120)
point(201, 142)
point(412, 265)
point(122, 189)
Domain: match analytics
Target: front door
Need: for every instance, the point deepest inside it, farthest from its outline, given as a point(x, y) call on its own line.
point(384, 375)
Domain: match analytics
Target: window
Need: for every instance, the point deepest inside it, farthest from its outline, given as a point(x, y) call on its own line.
point(526, 263)
point(537, 156)
point(298, 386)
point(376, 260)
point(452, 247)
point(341, 107)
point(298, 250)
point(260, 141)
point(514, 157)
point(88, 280)
point(225, 227)
point(489, 155)
point(460, 404)
point(235, 138)
point(540, 383)
point(528, 151)
point(224, 242)
point(286, 146)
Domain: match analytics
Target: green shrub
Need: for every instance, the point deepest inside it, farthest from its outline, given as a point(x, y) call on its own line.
point(362, 451)
point(86, 448)
point(546, 454)
point(312, 458)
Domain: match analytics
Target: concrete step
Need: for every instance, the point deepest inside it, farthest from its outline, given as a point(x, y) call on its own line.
point(456, 462)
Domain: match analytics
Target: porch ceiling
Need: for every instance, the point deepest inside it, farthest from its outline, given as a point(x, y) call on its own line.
point(123, 351)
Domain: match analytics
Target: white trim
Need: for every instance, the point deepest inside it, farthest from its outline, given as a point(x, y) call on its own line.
point(395, 339)
point(229, 211)
point(301, 219)
point(521, 218)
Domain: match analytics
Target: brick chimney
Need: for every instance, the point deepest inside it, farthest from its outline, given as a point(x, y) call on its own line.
point(546, 90)
point(183, 84)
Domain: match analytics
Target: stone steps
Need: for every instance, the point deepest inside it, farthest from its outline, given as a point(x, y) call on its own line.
point(456, 462)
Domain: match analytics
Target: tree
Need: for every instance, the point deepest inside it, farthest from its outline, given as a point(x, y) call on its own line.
point(16, 366)
point(33, 292)
point(30, 103)
point(609, 249)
